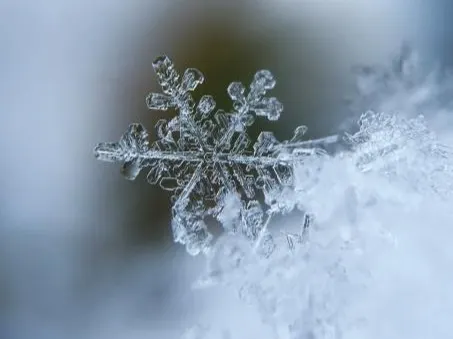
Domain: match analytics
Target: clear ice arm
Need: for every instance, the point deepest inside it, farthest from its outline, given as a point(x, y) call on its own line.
point(310, 143)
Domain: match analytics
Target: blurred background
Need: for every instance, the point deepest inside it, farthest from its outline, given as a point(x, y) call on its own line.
point(85, 253)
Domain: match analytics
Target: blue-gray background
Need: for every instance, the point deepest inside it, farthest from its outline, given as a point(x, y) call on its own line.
point(84, 252)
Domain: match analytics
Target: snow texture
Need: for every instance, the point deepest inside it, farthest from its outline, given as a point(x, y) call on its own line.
point(365, 203)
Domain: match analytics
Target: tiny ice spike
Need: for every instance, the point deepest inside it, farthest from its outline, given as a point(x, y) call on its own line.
point(205, 157)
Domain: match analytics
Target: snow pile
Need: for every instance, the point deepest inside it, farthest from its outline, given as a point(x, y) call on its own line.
point(376, 262)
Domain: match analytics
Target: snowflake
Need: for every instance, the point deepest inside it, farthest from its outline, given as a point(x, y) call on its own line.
point(206, 158)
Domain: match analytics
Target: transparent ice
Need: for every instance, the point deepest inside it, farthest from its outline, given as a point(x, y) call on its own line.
point(206, 158)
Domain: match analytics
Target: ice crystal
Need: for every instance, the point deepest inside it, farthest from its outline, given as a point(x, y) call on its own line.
point(206, 158)
point(388, 194)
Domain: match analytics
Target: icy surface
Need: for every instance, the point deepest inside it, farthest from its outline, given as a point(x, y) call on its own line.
point(205, 157)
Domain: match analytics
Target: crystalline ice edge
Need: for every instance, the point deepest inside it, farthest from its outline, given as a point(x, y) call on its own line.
point(205, 157)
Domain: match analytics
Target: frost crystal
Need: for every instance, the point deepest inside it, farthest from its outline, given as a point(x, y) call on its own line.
point(205, 157)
